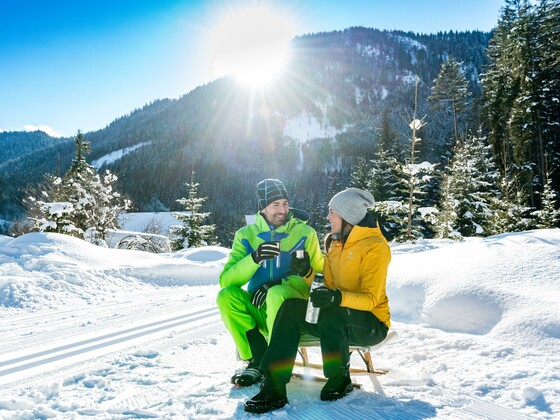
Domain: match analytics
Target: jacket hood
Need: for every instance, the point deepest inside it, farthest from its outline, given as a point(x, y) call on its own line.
point(300, 214)
point(368, 221)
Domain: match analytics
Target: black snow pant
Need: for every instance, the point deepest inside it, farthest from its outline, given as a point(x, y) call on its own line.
point(337, 328)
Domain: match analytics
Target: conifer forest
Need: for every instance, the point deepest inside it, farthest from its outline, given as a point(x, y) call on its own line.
point(456, 134)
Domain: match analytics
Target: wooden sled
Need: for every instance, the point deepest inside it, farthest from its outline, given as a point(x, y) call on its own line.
point(363, 351)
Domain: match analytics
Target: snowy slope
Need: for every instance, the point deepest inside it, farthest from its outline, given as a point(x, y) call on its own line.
point(95, 332)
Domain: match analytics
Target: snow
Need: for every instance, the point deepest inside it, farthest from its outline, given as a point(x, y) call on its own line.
point(155, 222)
point(305, 127)
point(411, 42)
point(416, 124)
point(113, 334)
point(384, 93)
point(116, 155)
point(367, 50)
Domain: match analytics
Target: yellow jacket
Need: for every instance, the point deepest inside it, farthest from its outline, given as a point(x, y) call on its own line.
point(359, 269)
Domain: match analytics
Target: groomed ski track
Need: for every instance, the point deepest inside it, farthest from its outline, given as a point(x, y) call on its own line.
point(54, 346)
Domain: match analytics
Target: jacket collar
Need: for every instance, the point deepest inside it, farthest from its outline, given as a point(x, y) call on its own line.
point(295, 216)
point(361, 232)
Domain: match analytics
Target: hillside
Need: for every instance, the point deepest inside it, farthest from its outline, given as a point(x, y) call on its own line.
point(307, 129)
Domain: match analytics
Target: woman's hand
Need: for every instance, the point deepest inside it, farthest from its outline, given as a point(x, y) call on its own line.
point(323, 297)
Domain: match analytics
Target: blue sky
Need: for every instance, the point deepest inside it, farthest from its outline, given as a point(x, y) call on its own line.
point(79, 64)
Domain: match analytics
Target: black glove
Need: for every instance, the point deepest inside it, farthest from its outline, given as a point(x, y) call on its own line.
point(323, 297)
point(266, 251)
point(259, 296)
point(301, 266)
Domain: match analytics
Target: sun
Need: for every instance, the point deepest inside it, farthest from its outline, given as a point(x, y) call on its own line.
point(252, 43)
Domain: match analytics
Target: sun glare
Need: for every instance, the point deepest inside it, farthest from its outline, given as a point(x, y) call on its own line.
point(252, 43)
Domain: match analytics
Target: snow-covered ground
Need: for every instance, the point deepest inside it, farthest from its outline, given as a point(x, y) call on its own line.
point(152, 222)
point(91, 332)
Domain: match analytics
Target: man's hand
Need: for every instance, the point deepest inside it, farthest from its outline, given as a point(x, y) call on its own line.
point(259, 297)
point(266, 251)
point(323, 297)
point(301, 266)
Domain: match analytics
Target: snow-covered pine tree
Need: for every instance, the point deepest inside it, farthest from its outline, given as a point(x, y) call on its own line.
point(521, 88)
point(509, 211)
point(40, 207)
point(361, 174)
point(193, 232)
point(548, 45)
point(468, 189)
point(549, 216)
point(316, 206)
point(80, 200)
point(109, 204)
point(447, 215)
point(384, 181)
point(48, 210)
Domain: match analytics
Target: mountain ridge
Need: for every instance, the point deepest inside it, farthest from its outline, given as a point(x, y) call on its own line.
point(231, 136)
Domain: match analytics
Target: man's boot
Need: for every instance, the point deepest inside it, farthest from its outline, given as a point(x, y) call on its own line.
point(252, 374)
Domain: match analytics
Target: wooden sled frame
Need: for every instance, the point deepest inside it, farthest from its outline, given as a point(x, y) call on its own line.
point(363, 351)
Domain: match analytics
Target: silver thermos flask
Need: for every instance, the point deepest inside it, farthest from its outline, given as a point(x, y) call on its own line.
point(312, 314)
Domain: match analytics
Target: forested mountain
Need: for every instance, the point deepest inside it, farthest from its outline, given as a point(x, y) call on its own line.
point(343, 97)
point(307, 129)
point(24, 158)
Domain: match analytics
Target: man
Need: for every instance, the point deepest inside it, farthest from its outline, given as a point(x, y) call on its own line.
point(261, 258)
point(353, 301)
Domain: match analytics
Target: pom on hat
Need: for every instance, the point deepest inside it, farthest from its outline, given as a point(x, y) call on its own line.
point(352, 204)
point(270, 190)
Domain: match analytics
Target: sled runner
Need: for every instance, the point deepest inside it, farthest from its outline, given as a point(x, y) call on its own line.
point(363, 351)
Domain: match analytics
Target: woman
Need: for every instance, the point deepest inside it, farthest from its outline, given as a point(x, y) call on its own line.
point(354, 305)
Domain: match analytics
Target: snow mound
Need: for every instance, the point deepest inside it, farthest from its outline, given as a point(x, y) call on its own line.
point(480, 285)
point(49, 270)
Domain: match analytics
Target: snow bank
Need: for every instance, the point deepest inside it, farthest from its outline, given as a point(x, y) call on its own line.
point(48, 270)
point(498, 286)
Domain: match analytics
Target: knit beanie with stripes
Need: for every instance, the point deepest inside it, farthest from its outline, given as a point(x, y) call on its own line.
point(269, 190)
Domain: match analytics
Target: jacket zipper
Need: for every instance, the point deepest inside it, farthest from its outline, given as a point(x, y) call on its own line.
point(273, 261)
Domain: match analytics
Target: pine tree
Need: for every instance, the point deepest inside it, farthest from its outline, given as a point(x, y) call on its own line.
point(193, 232)
point(521, 90)
point(548, 83)
point(109, 204)
point(468, 188)
point(78, 201)
point(360, 177)
point(498, 83)
point(48, 210)
point(383, 178)
point(447, 215)
point(549, 216)
point(509, 211)
point(317, 207)
point(450, 92)
point(385, 185)
point(385, 182)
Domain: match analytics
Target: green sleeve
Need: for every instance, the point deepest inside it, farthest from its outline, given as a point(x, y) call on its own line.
point(240, 266)
point(316, 258)
point(314, 250)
